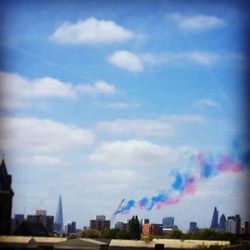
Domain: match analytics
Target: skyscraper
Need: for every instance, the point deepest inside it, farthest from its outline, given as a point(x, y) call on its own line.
point(222, 225)
point(214, 222)
point(59, 217)
point(6, 195)
point(168, 222)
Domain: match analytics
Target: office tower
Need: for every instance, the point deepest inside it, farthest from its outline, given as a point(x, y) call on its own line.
point(246, 225)
point(100, 223)
point(121, 225)
point(42, 217)
point(214, 222)
point(100, 217)
point(58, 227)
point(18, 219)
point(6, 195)
point(70, 227)
point(152, 229)
point(231, 225)
point(237, 224)
point(193, 227)
point(41, 212)
point(222, 225)
point(168, 222)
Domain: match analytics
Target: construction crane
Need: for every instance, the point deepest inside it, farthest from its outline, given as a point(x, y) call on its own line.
point(114, 214)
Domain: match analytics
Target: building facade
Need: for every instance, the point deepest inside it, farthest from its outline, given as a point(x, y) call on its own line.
point(214, 222)
point(152, 229)
point(193, 227)
point(43, 218)
point(168, 222)
point(58, 226)
point(100, 223)
point(6, 196)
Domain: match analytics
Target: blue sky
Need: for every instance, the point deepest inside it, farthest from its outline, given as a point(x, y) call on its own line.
point(103, 100)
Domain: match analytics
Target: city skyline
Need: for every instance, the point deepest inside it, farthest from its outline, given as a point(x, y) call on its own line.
point(137, 101)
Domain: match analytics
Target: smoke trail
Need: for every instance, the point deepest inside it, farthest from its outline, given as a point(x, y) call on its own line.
point(187, 184)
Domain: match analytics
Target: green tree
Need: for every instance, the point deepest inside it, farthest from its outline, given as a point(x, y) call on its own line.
point(175, 234)
point(111, 233)
point(124, 234)
point(134, 228)
point(91, 233)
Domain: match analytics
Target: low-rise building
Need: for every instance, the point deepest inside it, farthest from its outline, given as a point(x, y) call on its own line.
point(152, 229)
point(100, 223)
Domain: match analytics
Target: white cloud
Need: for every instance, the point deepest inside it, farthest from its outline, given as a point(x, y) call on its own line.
point(32, 134)
point(122, 105)
point(99, 87)
point(196, 22)
point(126, 60)
point(134, 153)
point(118, 105)
point(41, 161)
point(114, 175)
point(137, 62)
point(200, 57)
point(205, 103)
point(138, 127)
point(91, 31)
point(16, 91)
point(163, 126)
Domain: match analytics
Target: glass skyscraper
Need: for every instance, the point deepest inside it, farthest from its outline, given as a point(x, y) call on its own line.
point(214, 222)
point(59, 217)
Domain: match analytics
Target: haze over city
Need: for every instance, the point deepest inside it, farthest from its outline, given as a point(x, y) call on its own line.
point(106, 100)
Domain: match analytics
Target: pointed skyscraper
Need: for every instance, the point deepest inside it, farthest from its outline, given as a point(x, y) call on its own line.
point(6, 195)
point(214, 222)
point(59, 217)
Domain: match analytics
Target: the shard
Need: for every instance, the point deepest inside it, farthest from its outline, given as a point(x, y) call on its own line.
point(59, 217)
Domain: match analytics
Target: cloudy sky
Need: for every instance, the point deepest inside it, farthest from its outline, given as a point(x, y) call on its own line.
point(104, 100)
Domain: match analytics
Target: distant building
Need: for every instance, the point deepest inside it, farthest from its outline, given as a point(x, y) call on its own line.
point(237, 224)
point(214, 222)
point(231, 225)
point(70, 227)
point(121, 225)
point(247, 227)
point(42, 217)
point(41, 212)
point(222, 224)
point(152, 229)
point(168, 222)
point(28, 228)
point(58, 226)
point(100, 223)
point(193, 227)
point(16, 221)
point(144, 221)
point(6, 195)
point(100, 217)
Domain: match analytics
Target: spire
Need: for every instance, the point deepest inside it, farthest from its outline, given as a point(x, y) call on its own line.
point(59, 216)
point(3, 169)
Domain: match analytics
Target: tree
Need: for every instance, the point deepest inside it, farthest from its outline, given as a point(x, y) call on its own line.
point(111, 233)
point(134, 228)
point(175, 234)
point(90, 233)
point(124, 234)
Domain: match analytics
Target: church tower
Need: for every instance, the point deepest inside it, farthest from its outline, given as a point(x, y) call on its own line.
point(6, 195)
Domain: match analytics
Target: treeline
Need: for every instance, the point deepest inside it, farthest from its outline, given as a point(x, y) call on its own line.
point(202, 234)
point(133, 232)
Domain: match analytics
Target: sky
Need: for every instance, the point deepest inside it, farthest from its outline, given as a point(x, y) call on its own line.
point(109, 100)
